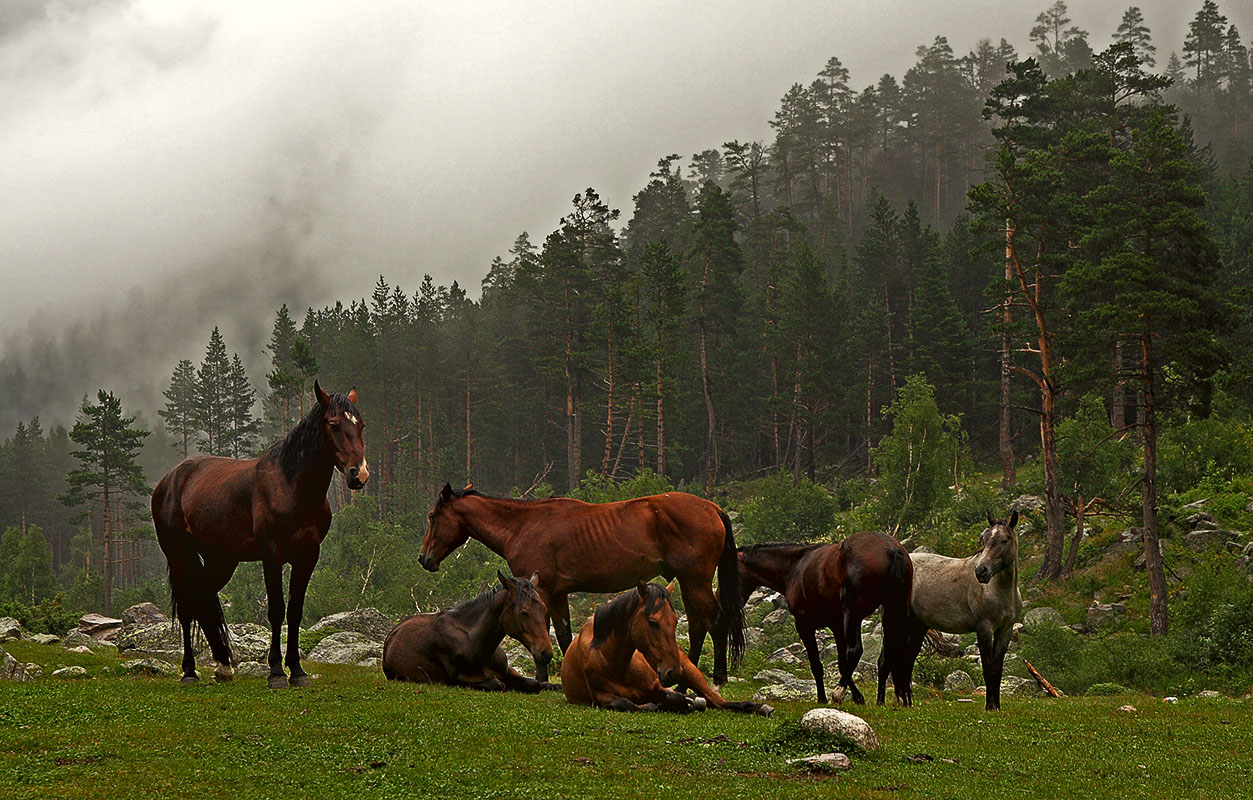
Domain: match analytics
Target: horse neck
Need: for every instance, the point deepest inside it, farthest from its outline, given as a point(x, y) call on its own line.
point(485, 629)
point(314, 478)
point(771, 567)
point(491, 521)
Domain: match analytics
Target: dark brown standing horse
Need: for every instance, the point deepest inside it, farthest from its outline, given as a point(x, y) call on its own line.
point(212, 513)
point(626, 655)
point(460, 646)
point(836, 586)
point(602, 547)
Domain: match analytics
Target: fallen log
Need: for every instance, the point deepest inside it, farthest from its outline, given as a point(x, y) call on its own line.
point(1040, 679)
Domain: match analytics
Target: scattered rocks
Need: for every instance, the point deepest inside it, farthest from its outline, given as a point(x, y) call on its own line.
point(76, 638)
point(752, 636)
point(42, 638)
point(782, 656)
point(160, 639)
point(144, 614)
point(1027, 502)
point(826, 762)
point(251, 669)
point(1102, 614)
point(34, 670)
point(1128, 709)
point(795, 691)
point(1198, 503)
point(100, 627)
point(774, 676)
point(1202, 520)
point(779, 615)
point(1209, 694)
point(1208, 539)
point(1170, 700)
point(346, 647)
point(70, 672)
point(959, 682)
point(150, 668)
point(1042, 617)
point(82, 649)
point(369, 622)
point(841, 723)
point(11, 669)
point(10, 629)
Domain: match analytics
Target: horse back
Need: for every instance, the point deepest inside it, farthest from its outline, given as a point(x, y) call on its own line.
point(209, 497)
point(947, 597)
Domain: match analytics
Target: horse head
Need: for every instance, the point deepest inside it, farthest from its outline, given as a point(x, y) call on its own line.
point(1000, 547)
point(652, 631)
point(445, 529)
point(525, 617)
point(341, 434)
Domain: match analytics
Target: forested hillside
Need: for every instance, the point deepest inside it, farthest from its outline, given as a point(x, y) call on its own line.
point(1034, 264)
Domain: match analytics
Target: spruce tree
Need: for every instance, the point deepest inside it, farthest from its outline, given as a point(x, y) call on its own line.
point(242, 433)
point(180, 406)
point(213, 398)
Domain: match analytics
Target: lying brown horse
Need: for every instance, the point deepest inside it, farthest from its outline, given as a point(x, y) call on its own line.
point(212, 513)
point(836, 586)
point(605, 547)
point(626, 655)
point(460, 646)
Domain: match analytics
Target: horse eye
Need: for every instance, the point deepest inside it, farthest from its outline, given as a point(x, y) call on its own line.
point(525, 614)
point(334, 425)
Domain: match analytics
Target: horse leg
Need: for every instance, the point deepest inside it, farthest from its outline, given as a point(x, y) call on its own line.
point(840, 690)
point(702, 610)
point(275, 609)
point(806, 632)
point(217, 575)
point(559, 613)
point(718, 633)
point(301, 571)
point(896, 647)
point(498, 667)
point(992, 667)
point(915, 633)
point(185, 618)
point(850, 655)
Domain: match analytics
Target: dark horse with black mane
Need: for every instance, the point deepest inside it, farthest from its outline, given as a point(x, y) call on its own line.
point(460, 646)
point(603, 547)
point(836, 586)
point(212, 513)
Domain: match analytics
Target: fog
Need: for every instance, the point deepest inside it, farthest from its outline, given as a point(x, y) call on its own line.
point(169, 167)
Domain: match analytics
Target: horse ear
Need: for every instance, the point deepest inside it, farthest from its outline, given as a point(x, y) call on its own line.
point(352, 395)
point(642, 588)
point(505, 580)
point(1013, 518)
point(446, 492)
point(534, 578)
point(469, 486)
point(670, 588)
point(988, 514)
point(323, 398)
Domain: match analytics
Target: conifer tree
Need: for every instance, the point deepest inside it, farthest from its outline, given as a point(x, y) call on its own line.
point(180, 406)
point(213, 398)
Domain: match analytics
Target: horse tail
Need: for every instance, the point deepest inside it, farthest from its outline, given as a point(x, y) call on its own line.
point(901, 574)
point(729, 594)
point(190, 588)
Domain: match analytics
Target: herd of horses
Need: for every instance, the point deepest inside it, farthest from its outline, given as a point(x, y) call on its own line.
point(212, 513)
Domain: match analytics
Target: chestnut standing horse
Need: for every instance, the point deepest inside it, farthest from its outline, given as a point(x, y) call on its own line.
point(460, 646)
point(212, 513)
point(836, 586)
point(626, 655)
point(602, 547)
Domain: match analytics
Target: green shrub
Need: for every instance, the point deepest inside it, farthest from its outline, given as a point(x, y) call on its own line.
point(776, 510)
point(598, 488)
point(1207, 452)
point(47, 616)
point(1106, 690)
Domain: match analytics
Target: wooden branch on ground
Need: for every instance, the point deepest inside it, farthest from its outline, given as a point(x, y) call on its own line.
point(1040, 679)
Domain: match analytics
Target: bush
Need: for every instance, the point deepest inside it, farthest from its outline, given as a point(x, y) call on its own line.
point(1074, 663)
point(1106, 690)
point(597, 488)
point(1204, 452)
point(776, 510)
point(48, 616)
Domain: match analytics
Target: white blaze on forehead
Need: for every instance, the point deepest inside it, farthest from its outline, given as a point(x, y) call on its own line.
point(351, 418)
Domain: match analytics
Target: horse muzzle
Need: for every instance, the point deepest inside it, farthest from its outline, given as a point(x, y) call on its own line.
point(982, 573)
point(669, 677)
point(543, 657)
point(357, 476)
point(427, 563)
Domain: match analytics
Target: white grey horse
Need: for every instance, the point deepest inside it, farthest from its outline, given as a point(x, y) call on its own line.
point(961, 595)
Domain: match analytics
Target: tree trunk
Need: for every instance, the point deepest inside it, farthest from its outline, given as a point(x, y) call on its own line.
point(711, 439)
point(1078, 536)
point(108, 555)
point(661, 416)
point(1152, 547)
point(1005, 447)
point(604, 462)
point(468, 439)
point(1118, 402)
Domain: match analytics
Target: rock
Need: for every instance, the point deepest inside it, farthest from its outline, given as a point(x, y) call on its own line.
point(826, 762)
point(1208, 539)
point(1027, 502)
point(972, 650)
point(779, 615)
point(869, 670)
point(346, 647)
point(369, 622)
point(100, 627)
point(251, 669)
point(1170, 700)
point(12, 670)
point(922, 548)
point(1209, 694)
point(80, 650)
point(959, 682)
point(42, 638)
point(841, 723)
point(1198, 503)
point(1013, 633)
point(1127, 709)
point(871, 646)
point(1139, 564)
point(10, 629)
point(1103, 614)
point(1132, 536)
point(777, 600)
point(150, 668)
point(70, 672)
point(782, 656)
point(774, 676)
point(1249, 508)
point(1042, 617)
point(249, 642)
point(143, 614)
point(160, 639)
point(76, 638)
point(794, 692)
point(1202, 520)
point(34, 670)
point(1019, 687)
point(372, 661)
point(752, 636)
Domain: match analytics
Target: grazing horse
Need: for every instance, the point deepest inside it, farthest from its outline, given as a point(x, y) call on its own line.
point(602, 547)
point(626, 655)
point(212, 513)
point(836, 586)
point(460, 646)
point(961, 595)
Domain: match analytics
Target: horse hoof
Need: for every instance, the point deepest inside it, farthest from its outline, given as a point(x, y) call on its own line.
point(189, 679)
point(277, 682)
point(224, 674)
point(764, 710)
point(301, 680)
point(700, 703)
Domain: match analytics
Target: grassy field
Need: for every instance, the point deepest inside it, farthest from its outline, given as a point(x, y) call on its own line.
point(355, 735)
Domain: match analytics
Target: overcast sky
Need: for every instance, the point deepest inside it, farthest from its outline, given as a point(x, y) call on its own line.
point(170, 166)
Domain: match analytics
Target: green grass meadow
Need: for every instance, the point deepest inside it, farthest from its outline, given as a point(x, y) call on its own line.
point(355, 735)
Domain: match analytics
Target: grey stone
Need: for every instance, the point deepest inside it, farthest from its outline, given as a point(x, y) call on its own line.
point(795, 692)
point(776, 617)
point(1027, 502)
point(922, 548)
point(149, 667)
point(1208, 539)
point(82, 649)
point(783, 656)
point(1202, 520)
point(825, 762)
point(143, 614)
point(160, 639)
point(773, 676)
point(373, 661)
point(1127, 709)
point(42, 638)
point(1198, 503)
point(70, 672)
point(346, 647)
point(1102, 614)
point(752, 636)
point(10, 629)
point(1042, 617)
point(871, 646)
point(1171, 700)
point(11, 669)
point(369, 622)
point(1209, 694)
point(98, 626)
point(1249, 508)
point(841, 723)
point(1132, 536)
point(959, 682)
point(249, 642)
point(251, 669)
point(76, 638)
point(34, 670)
point(1019, 687)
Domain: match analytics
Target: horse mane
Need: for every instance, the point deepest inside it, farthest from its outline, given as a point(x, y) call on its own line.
point(304, 441)
point(618, 612)
point(478, 605)
point(472, 492)
point(790, 548)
